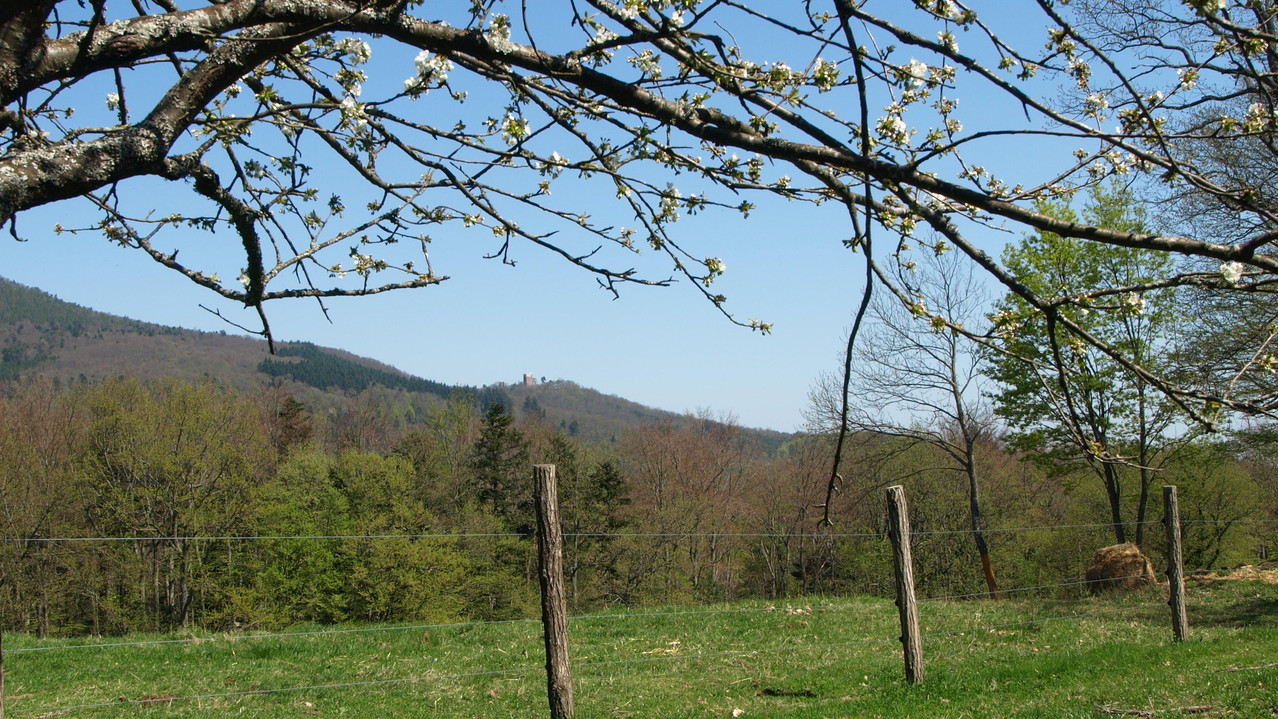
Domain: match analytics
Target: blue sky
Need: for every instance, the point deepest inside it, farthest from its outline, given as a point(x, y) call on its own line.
point(664, 347)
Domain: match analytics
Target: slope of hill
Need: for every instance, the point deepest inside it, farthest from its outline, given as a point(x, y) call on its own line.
point(601, 418)
point(42, 334)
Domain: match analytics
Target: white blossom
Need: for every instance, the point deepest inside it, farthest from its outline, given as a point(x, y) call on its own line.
point(514, 129)
point(892, 128)
point(1188, 77)
point(357, 48)
point(603, 35)
point(553, 165)
point(433, 66)
point(498, 34)
point(825, 74)
point(1207, 7)
point(649, 63)
point(1094, 104)
point(353, 113)
point(915, 74)
point(714, 268)
point(1134, 303)
point(432, 71)
point(1257, 118)
point(671, 200)
point(1232, 271)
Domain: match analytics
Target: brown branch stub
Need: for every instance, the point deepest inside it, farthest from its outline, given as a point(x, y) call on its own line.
point(1250, 669)
point(1112, 710)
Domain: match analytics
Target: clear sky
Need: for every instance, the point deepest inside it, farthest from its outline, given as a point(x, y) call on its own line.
point(663, 347)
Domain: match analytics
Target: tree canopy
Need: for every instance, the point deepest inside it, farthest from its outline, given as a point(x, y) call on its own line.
point(1065, 399)
point(335, 140)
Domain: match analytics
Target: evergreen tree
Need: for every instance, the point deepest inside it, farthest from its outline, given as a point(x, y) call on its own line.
point(499, 462)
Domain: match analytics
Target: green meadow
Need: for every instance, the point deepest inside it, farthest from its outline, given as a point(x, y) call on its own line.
point(811, 659)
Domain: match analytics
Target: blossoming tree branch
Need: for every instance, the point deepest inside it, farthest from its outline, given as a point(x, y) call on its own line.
point(331, 142)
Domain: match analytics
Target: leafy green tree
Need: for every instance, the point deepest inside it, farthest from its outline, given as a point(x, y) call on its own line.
point(1219, 503)
point(441, 454)
point(40, 432)
point(168, 462)
point(303, 576)
point(395, 573)
point(592, 499)
point(1065, 399)
point(500, 469)
point(287, 421)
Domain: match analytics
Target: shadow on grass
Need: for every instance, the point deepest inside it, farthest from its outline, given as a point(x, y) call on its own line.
point(1246, 604)
point(1237, 612)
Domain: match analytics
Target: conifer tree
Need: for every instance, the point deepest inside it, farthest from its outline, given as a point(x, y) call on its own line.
point(499, 461)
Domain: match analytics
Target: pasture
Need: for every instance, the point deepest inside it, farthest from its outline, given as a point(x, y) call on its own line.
point(1027, 656)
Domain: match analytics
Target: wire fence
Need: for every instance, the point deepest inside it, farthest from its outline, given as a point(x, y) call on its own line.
point(589, 665)
point(535, 669)
point(592, 535)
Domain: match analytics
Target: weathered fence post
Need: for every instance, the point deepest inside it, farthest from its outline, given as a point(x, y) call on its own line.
point(1175, 564)
point(554, 604)
point(903, 562)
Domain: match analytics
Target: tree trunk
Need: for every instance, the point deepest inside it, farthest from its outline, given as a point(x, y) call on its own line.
point(1145, 480)
point(978, 534)
point(1115, 502)
point(554, 615)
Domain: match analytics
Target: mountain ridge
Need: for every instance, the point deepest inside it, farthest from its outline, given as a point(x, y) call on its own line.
point(41, 334)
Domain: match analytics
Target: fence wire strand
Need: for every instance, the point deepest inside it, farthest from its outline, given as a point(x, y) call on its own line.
point(792, 648)
point(1032, 622)
point(224, 638)
point(120, 703)
point(278, 635)
point(597, 535)
point(1080, 583)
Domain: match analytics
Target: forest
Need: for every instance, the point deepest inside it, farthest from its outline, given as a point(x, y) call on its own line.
point(132, 505)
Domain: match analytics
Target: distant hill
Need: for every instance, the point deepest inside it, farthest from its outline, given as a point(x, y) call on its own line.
point(41, 334)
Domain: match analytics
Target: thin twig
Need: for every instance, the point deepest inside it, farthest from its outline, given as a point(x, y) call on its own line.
point(1155, 712)
point(1249, 669)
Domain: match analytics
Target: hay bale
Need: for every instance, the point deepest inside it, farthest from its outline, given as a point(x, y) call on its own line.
point(1121, 566)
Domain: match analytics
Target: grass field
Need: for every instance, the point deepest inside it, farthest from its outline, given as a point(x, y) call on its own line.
point(1109, 656)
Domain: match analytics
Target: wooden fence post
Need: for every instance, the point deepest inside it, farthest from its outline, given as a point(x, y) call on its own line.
point(1175, 564)
point(554, 604)
point(903, 562)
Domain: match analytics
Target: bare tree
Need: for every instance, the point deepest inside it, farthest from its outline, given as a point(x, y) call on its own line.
point(287, 122)
point(916, 375)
